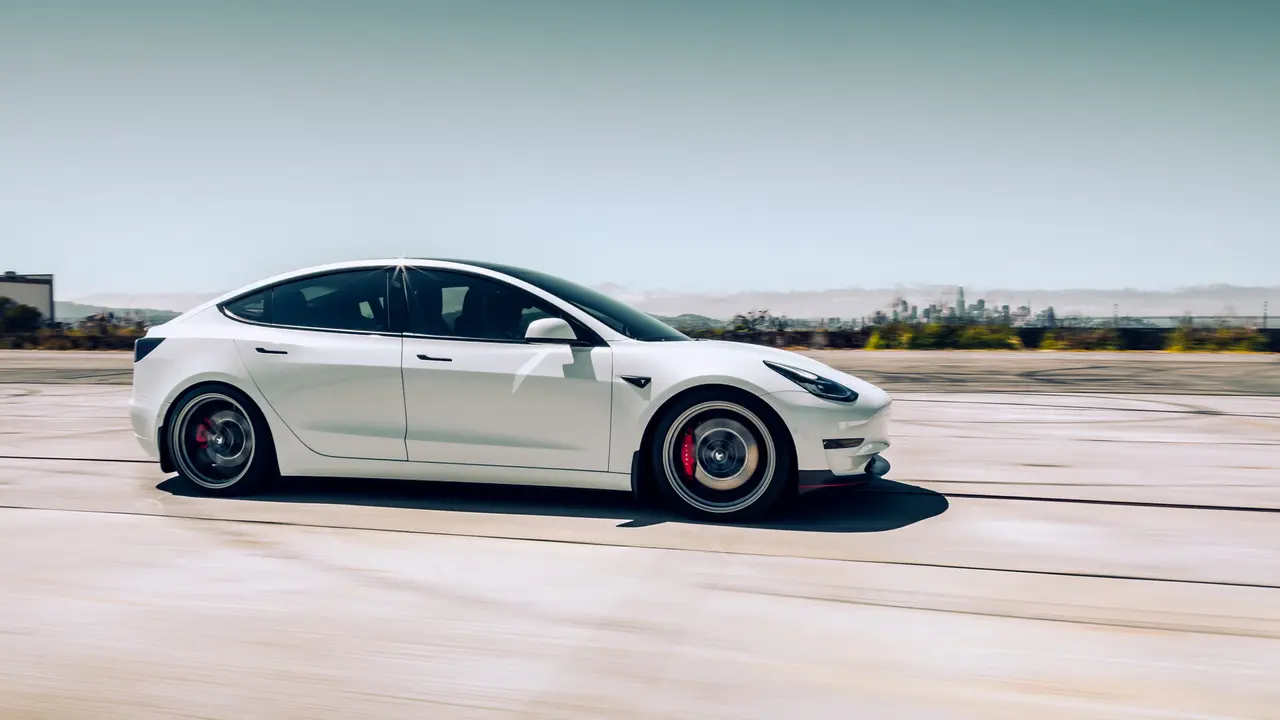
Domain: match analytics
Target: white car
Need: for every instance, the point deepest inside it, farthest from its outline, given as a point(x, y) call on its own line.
point(477, 372)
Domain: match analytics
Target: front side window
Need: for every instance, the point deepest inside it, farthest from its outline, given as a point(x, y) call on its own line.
point(449, 304)
point(352, 300)
point(619, 316)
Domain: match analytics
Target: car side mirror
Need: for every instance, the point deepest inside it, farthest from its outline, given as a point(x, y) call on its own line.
point(550, 330)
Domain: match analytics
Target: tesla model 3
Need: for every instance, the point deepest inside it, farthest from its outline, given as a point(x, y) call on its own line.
point(479, 372)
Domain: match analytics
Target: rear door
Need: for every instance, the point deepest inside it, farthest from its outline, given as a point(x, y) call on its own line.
point(323, 353)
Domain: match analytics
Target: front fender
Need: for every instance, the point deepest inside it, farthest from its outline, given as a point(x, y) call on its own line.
point(635, 409)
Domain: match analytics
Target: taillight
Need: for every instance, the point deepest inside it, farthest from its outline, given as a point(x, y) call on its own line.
point(142, 347)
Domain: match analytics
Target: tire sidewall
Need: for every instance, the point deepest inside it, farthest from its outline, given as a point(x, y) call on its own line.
point(783, 470)
point(263, 465)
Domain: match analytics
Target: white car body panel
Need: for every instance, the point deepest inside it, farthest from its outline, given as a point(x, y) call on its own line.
point(676, 367)
point(340, 393)
point(362, 405)
point(509, 404)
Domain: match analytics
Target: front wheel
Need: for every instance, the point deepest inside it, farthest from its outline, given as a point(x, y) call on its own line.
point(721, 459)
point(220, 442)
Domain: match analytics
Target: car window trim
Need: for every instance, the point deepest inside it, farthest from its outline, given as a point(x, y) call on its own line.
point(591, 339)
point(398, 303)
point(501, 341)
point(387, 271)
point(266, 307)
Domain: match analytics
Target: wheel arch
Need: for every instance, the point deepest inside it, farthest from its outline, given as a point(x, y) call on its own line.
point(642, 474)
point(167, 463)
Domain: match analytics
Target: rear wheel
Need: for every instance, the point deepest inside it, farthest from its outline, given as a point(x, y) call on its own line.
point(220, 442)
point(721, 458)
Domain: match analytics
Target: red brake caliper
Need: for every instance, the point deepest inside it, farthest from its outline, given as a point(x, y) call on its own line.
point(686, 454)
point(202, 434)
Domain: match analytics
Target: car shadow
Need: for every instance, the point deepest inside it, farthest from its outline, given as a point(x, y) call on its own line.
point(876, 506)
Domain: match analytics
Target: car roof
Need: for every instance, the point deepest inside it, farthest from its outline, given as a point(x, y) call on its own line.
point(346, 265)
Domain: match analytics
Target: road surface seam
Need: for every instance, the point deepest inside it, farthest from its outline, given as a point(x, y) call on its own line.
point(78, 459)
point(1166, 627)
point(589, 543)
point(1215, 413)
point(1082, 501)
point(971, 496)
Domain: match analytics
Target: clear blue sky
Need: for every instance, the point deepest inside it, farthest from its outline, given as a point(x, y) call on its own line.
point(187, 146)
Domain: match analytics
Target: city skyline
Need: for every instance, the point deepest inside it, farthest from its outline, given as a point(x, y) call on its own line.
point(1208, 300)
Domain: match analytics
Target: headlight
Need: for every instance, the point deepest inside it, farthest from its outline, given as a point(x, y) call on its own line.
point(815, 384)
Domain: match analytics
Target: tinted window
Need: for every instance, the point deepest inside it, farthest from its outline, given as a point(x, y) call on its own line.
point(619, 316)
point(353, 300)
point(251, 307)
point(452, 304)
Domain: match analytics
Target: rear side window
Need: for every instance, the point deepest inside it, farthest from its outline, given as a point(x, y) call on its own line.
point(251, 307)
point(353, 300)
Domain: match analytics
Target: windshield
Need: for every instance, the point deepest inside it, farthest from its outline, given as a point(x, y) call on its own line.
point(619, 316)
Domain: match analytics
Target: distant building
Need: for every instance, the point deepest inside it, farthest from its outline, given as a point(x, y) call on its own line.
point(33, 290)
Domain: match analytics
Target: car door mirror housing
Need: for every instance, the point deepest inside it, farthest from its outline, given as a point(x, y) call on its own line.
point(550, 330)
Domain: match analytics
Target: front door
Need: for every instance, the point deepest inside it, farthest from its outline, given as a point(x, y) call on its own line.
point(322, 353)
point(476, 393)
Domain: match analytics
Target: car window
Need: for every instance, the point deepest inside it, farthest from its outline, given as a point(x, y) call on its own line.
point(251, 307)
point(351, 300)
point(449, 304)
point(619, 316)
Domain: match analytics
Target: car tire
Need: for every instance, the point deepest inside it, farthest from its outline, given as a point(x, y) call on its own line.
point(721, 457)
point(220, 442)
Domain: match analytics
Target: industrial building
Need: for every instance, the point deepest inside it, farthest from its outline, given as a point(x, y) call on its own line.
point(33, 290)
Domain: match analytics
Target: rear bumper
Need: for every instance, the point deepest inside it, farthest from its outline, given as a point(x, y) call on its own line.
point(143, 415)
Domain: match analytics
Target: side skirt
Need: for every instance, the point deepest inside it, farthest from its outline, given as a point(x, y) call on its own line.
point(456, 472)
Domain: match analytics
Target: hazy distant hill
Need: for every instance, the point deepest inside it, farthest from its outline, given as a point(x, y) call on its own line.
point(173, 302)
point(689, 321)
point(70, 312)
point(859, 302)
point(700, 309)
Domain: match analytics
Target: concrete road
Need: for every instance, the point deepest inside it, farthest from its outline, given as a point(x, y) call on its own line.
point(1035, 555)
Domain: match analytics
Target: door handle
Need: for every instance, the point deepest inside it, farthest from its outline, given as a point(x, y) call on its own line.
point(434, 359)
point(265, 351)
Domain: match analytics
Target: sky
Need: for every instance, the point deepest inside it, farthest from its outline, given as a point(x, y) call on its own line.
point(694, 146)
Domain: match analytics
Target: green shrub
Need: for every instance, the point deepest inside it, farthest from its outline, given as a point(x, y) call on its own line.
point(988, 337)
point(1216, 340)
point(1081, 339)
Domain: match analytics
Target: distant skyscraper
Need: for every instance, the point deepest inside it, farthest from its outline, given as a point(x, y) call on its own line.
point(960, 306)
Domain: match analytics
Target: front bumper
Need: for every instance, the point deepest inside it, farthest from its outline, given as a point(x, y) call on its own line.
point(875, 467)
point(813, 421)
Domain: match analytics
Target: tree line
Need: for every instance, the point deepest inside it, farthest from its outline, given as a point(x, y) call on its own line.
point(18, 318)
